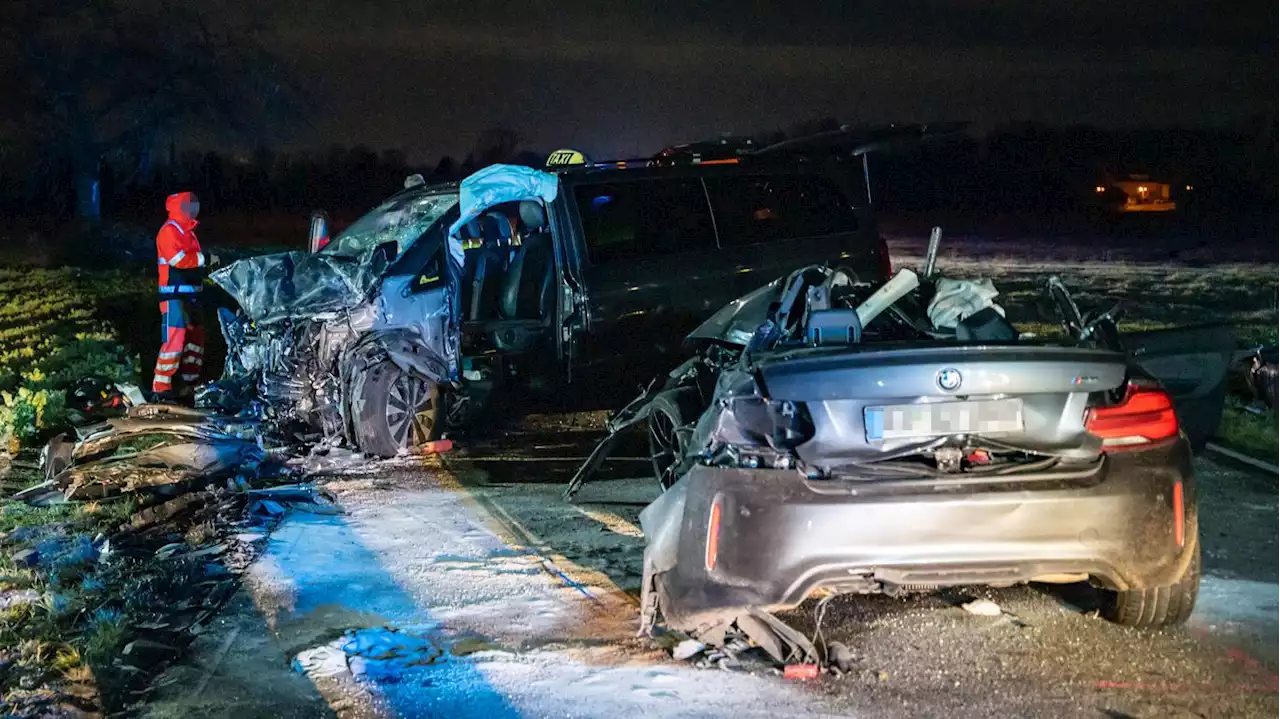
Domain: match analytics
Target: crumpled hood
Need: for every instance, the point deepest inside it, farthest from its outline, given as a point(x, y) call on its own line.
point(294, 285)
point(735, 322)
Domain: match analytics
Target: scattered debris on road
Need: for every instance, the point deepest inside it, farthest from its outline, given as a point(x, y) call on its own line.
point(187, 498)
point(163, 448)
point(982, 608)
point(800, 672)
point(687, 649)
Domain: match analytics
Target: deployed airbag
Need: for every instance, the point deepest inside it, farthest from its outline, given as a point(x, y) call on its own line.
point(954, 300)
point(495, 185)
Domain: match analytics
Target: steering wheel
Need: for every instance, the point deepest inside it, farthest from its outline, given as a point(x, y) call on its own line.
point(1101, 327)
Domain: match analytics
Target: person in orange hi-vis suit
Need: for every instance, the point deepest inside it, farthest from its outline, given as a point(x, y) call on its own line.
point(182, 265)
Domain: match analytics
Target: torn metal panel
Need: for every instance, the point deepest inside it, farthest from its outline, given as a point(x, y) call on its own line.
point(157, 446)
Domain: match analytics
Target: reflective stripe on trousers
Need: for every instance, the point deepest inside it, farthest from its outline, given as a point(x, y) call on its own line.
point(182, 344)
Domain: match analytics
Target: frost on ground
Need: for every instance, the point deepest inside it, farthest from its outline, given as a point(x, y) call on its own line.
point(416, 602)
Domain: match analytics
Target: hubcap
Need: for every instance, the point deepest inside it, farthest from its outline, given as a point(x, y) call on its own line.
point(411, 410)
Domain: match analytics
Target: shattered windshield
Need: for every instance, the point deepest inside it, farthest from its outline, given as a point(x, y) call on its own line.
point(402, 219)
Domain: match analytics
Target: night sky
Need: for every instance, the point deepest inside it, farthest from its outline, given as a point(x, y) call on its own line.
point(617, 79)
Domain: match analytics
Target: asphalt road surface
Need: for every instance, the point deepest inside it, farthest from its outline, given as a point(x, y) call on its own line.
point(467, 587)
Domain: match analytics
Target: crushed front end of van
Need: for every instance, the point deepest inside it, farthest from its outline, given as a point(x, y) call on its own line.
point(360, 342)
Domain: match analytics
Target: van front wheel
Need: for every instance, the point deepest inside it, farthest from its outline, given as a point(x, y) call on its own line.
point(396, 410)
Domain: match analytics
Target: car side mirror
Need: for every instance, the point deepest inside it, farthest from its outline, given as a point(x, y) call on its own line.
point(318, 235)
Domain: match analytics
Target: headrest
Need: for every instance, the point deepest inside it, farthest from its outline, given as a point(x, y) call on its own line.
point(532, 216)
point(495, 226)
point(470, 231)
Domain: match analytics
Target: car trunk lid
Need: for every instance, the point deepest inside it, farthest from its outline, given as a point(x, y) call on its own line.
point(881, 404)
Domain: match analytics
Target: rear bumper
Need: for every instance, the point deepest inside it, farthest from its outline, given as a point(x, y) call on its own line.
point(782, 536)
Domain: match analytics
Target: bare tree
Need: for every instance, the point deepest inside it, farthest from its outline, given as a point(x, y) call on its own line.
point(99, 78)
point(497, 144)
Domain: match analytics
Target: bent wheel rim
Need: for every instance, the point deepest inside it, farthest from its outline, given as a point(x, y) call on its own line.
point(664, 447)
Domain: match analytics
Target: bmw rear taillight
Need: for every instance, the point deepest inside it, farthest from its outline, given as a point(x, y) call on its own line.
point(886, 264)
point(1143, 417)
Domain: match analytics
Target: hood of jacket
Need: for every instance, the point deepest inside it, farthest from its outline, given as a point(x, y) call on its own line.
point(176, 204)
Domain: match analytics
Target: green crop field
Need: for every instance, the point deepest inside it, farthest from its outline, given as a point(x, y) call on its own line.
point(57, 326)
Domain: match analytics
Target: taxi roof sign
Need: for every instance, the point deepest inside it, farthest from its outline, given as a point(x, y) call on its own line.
point(565, 158)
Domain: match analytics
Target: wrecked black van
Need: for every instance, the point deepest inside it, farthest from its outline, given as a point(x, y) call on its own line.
point(413, 315)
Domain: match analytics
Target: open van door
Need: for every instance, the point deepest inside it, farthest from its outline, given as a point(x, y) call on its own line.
point(1193, 364)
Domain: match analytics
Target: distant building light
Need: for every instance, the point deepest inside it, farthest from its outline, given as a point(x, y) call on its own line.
point(1142, 188)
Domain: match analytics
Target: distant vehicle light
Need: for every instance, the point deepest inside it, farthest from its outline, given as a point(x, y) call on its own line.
point(1189, 187)
point(1099, 188)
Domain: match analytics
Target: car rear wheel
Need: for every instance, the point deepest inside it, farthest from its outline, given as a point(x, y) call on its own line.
point(1157, 607)
point(396, 410)
point(668, 437)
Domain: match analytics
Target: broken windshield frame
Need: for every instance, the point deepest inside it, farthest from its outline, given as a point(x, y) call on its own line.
point(401, 219)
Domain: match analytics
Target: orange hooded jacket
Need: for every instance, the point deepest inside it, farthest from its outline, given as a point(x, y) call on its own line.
point(178, 250)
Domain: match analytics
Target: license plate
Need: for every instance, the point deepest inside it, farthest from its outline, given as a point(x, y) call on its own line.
point(937, 419)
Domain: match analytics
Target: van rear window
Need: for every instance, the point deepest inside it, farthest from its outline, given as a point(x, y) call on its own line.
point(644, 218)
point(750, 209)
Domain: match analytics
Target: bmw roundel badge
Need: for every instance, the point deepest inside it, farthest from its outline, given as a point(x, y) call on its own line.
point(949, 379)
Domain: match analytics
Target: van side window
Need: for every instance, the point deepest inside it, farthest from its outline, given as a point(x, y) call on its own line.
point(750, 209)
point(643, 218)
